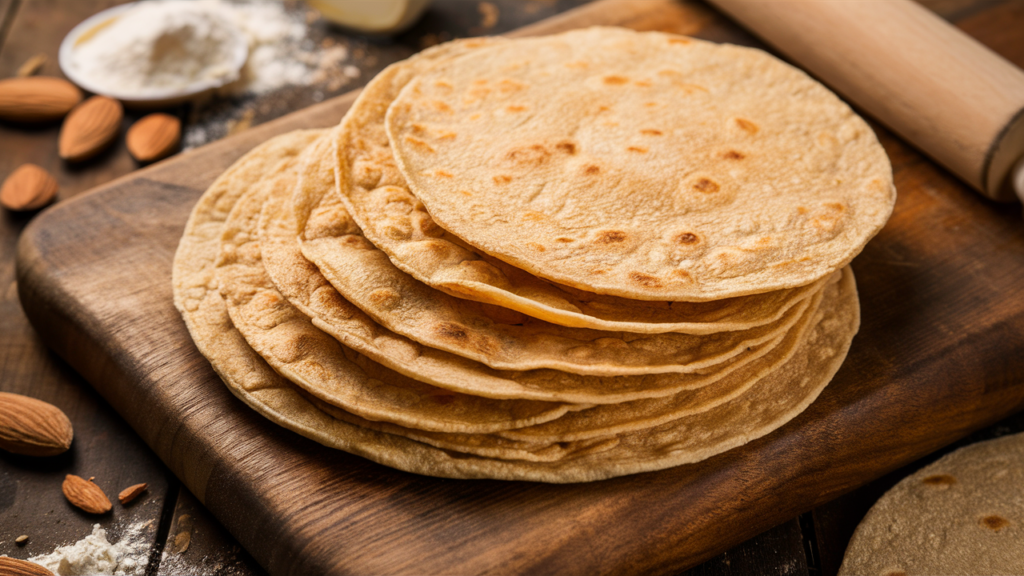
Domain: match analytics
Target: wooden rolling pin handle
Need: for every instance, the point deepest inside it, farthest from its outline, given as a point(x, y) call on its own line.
point(937, 87)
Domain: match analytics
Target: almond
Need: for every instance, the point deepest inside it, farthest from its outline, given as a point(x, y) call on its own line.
point(37, 98)
point(15, 567)
point(32, 427)
point(131, 493)
point(153, 137)
point(85, 495)
point(89, 128)
point(28, 188)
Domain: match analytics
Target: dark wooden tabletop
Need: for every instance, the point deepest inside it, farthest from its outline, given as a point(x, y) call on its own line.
point(183, 537)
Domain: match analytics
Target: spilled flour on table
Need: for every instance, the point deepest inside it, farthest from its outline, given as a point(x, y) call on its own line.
point(94, 554)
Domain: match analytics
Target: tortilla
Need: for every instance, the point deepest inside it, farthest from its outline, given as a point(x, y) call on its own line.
point(498, 337)
point(378, 198)
point(301, 282)
point(770, 403)
point(961, 515)
point(642, 165)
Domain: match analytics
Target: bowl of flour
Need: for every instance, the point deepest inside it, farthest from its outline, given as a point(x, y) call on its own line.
point(155, 53)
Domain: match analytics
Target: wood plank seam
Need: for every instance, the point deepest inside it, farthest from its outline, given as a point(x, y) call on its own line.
point(7, 20)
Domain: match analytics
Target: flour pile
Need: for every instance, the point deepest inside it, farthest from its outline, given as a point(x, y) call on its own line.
point(94, 554)
point(169, 45)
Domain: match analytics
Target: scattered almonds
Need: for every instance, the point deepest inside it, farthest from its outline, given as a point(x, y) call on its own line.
point(33, 427)
point(37, 98)
point(28, 188)
point(89, 128)
point(131, 493)
point(15, 567)
point(32, 65)
point(153, 137)
point(21, 540)
point(85, 495)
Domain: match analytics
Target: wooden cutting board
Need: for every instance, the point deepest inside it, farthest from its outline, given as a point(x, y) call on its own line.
point(940, 354)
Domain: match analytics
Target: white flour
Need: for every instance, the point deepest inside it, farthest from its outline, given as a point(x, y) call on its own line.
point(161, 46)
point(170, 44)
point(95, 555)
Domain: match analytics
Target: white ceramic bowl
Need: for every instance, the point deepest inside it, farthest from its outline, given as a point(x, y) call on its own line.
point(150, 99)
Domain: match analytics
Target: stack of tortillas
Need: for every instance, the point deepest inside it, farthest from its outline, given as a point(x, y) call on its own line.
point(961, 516)
point(558, 259)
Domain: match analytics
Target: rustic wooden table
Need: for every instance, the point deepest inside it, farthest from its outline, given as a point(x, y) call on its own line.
point(182, 536)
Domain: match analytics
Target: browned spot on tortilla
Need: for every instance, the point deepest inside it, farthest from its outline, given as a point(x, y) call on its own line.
point(466, 193)
point(603, 108)
point(611, 237)
point(651, 132)
point(419, 143)
point(733, 155)
point(567, 147)
point(385, 298)
point(896, 573)
point(476, 116)
point(502, 179)
point(564, 239)
point(442, 173)
point(835, 206)
point(678, 41)
point(438, 249)
point(615, 80)
point(592, 169)
point(645, 280)
point(682, 274)
point(534, 216)
point(638, 149)
point(686, 238)
point(442, 84)
point(531, 155)
point(747, 125)
point(650, 104)
point(515, 108)
point(706, 185)
point(577, 64)
point(994, 522)
point(597, 271)
point(939, 480)
point(801, 210)
point(440, 106)
point(451, 331)
point(417, 128)
point(537, 247)
point(643, 83)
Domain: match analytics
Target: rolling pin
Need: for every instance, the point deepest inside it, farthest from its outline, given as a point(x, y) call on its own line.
point(938, 88)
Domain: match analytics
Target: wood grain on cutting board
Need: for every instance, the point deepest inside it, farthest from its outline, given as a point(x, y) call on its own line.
point(937, 356)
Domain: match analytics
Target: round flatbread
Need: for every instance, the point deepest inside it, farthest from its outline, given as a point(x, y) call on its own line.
point(642, 165)
point(963, 515)
point(770, 403)
point(301, 282)
point(378, 198)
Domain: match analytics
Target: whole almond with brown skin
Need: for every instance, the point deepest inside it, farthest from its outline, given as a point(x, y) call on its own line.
point(28, 188)
point(15, 567)
point(37, 98)
point(131, 493)
point(153, 137)
point(86, 495)
point(32, 427)
point(89, 128)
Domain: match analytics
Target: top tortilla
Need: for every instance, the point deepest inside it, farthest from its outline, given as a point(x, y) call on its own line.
point(378, 198)
point(643, 165)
